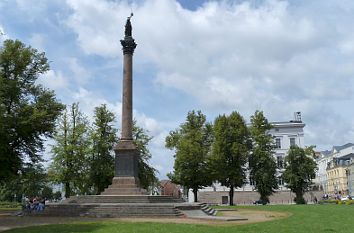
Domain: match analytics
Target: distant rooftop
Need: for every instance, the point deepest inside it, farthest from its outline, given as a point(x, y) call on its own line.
point(326, 152)
point(338, 148)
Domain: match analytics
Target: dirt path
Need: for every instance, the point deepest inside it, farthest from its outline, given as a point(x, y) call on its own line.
point(9, 222)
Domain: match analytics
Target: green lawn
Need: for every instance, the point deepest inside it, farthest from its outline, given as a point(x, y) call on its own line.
point(304, 218)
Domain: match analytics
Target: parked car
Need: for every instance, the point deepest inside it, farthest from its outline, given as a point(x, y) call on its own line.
point(346, 198)
point(260, 202)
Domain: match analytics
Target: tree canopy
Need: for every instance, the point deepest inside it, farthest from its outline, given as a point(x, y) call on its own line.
point(230, 151)
point(70, 164)
point(147, 173)
point(299, 171)
point(191, 142)
point(261, 162)
point(103, 137)
point(28, 111)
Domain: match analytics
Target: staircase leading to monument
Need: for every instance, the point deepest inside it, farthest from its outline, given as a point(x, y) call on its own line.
point(114, 199)
point(122, 206)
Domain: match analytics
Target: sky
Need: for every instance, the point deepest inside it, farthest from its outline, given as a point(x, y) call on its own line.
point(276, 56)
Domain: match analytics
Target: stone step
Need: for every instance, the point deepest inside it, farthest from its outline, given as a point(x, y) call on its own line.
point(111, 210)
point(122, 186)
point(208, 210)
point(122, 191)
point(124, 180)
point(122, 199)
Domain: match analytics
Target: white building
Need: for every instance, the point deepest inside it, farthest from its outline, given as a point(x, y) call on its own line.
point(321, 174)
point(286, 134)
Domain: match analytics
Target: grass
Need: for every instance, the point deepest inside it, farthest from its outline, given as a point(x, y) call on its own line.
point(304, 218)
point(9, 208)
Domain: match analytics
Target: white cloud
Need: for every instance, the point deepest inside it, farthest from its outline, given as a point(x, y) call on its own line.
point(79, 73)
point(279, 57)
point(98, 24)
point(88, 100)
point(38, 41)
point(53, 80)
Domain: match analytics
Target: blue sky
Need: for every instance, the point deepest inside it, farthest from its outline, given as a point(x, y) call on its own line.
point(216, 56)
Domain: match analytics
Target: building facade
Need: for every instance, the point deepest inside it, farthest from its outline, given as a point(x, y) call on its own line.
point(286, 134)
point(335, 169)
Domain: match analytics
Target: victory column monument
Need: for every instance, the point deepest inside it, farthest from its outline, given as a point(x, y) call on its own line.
point(124, 197)
point(126, 181)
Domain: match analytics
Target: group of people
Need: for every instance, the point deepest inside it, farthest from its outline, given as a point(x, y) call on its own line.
point(34, 204)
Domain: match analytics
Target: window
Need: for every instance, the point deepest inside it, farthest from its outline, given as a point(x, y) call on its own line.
point(252, 182)
point(280, 162)
point(277, 143)
point(292, 142)
point(280, 181)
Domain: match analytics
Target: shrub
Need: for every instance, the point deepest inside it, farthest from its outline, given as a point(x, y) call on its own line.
point(8, 204)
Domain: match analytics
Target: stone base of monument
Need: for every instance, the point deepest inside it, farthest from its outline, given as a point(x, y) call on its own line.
point(122, 206)
point(124, 186)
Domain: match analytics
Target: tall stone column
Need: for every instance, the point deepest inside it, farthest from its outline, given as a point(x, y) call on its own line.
point(129, 46)
point(125, 181)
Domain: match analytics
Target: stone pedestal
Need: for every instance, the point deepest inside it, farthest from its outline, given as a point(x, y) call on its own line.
point(126, 181)
point(124, 186)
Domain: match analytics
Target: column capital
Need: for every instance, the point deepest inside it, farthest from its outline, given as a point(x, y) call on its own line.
point(128, 45)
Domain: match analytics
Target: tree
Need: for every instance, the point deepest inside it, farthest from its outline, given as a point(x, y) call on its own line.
point(57, 196)
point(300, 169)
point(230, 151)
point(28, 111)
point(33, 179)
point(147, 174)
point(191, 142)
point(47, 192)
point(261, 162)
point(103, 138)
point(72, 146)
point(30, 182)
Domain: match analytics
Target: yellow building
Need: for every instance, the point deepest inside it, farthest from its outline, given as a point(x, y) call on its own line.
point(351, 178)
point(337, 176)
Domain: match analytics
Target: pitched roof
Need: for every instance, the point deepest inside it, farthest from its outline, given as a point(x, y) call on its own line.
point(338, 148)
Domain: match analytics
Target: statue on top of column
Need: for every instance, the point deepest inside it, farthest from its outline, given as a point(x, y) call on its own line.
point(128, 26)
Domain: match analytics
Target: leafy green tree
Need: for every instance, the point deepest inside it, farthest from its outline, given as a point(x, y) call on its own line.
point(191, 142)
point(70, 153)
point(103, 137)
point(300, 169)
point(30, 182)
point(28, 111)
point(147, 174)
point(11, 190)
point(261, 162)
point(57, 196)
point(33, 180)
point(47, 192)
point(230, 151)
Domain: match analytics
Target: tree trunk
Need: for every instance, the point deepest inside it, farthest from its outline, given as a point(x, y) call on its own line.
point(67, 190)
point(195, 192)
point(231, 195)
point(264, 199)
point(299, 199)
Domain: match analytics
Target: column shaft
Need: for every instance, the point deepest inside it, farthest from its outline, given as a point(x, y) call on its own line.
point(127, 105)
